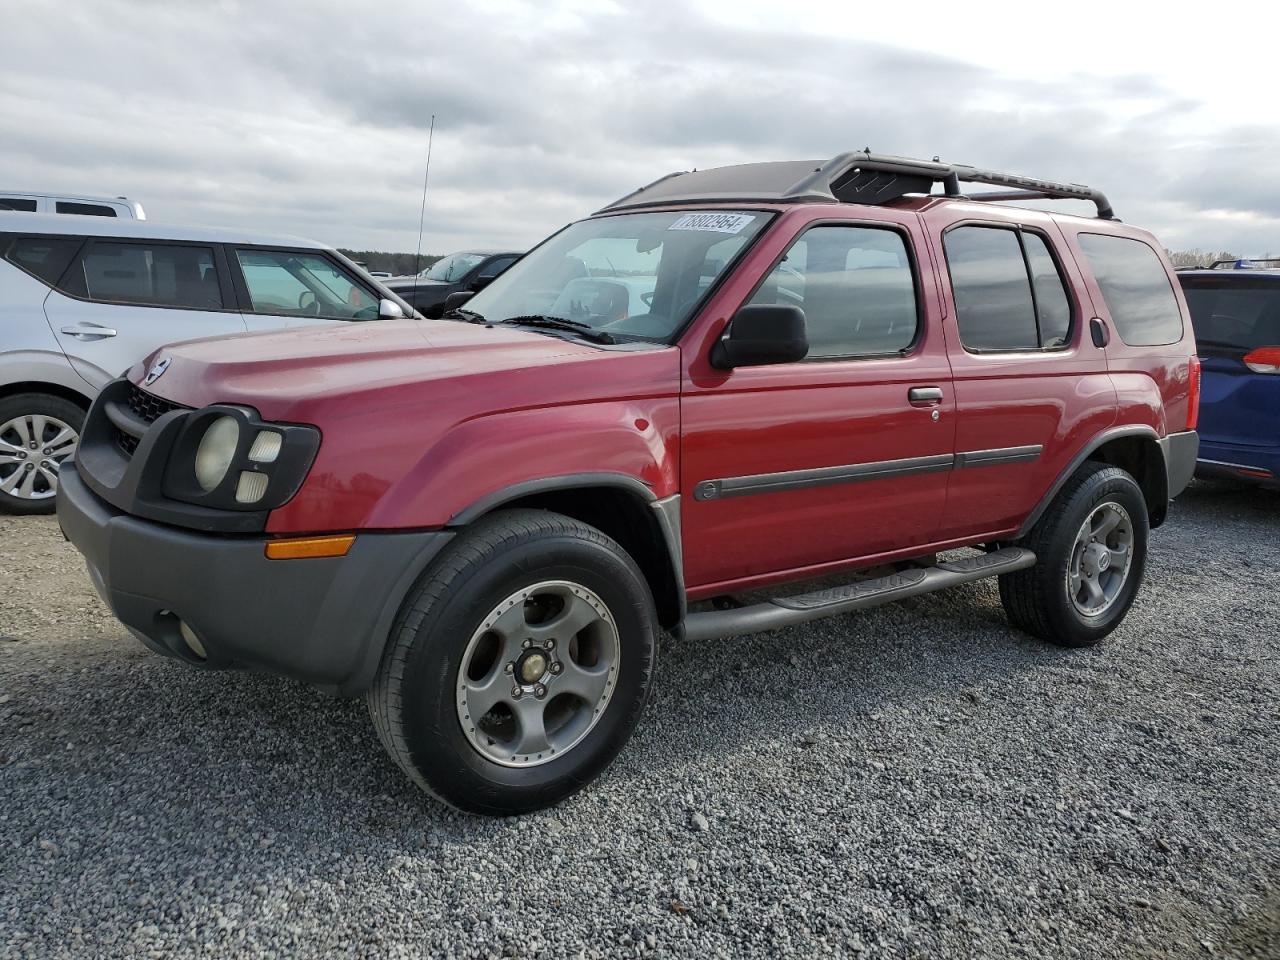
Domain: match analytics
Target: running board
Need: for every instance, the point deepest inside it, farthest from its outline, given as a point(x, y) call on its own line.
point(788, 611)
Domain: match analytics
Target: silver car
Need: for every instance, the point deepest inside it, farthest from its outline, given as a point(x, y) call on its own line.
point(84, 298)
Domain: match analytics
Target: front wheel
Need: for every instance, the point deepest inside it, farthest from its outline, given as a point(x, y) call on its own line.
point(38, 431)
point(1091, 553)
point(519, 664)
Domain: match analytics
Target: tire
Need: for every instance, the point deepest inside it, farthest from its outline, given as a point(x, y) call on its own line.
point(31, 489)
point(1043, 600)
point(461, 610)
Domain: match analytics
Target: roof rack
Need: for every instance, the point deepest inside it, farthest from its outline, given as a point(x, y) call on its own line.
point(1242, 263)
point(857, 177)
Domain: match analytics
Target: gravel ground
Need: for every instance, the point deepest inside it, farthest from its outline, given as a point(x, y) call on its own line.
point(917, 781)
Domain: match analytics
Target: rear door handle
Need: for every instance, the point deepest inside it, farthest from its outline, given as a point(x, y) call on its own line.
point(924, 396)
point(89, 331)
point(1099, 332)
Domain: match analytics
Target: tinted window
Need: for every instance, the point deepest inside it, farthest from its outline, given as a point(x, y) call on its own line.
point(855, 286)
point(85, 209)
point(1136, 289)
point(155, 275)
point(495, 267)
point(14, 203)
point(293, 283)
point(46, 257)
point(1234, 316)
point(1052, 305)
point(994, 308)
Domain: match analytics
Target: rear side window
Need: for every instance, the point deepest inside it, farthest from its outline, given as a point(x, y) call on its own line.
point(44, 257)
point(1136, 288)
point(153, 275)
point(1008, 291)
point(85, 209)
point(17, 203)
point(856, 287)
point(1233, 316)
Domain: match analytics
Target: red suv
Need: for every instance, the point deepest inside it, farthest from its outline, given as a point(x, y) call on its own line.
point(729, 382)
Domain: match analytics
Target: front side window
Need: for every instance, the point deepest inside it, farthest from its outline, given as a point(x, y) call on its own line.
point(153, 275)
point(1008, 290)
point(452, 268)
point(856, 287)
point(1233, 316)
point(85, 209)
point(1136, 288)
point(43, 257)
point(635, 275)
point(293, 283)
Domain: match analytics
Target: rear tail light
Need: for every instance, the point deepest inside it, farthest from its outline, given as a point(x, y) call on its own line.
point(1263, 360)
point(1193, 393)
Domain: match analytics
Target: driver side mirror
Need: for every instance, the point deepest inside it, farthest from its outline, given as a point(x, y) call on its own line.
point(762, 334)
point(482, 281)
point(389, 310)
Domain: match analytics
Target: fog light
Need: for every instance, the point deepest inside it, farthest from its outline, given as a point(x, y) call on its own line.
point(251, 487)
point(266, 447)
point(192, 641)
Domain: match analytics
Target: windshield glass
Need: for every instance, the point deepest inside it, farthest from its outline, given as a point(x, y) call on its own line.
point(452, 268)
point(1236, 315)
point(637, 274)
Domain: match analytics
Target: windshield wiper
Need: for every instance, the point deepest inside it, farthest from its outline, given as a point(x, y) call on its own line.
point(463, 314)
point(584, 330)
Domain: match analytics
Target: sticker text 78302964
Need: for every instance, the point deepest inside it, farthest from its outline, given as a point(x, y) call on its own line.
point(714, 222)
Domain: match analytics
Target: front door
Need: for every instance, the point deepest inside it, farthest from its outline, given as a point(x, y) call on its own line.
point(804, 467)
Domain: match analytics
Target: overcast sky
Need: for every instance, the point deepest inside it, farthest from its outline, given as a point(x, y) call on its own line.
point(311, 117)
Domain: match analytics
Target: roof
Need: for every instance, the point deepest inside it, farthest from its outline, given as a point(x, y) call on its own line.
point(60, 195)
point(125, 228)
point(856, 177)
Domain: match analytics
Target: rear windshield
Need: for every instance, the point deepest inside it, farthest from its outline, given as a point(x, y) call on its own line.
point(1234, 315)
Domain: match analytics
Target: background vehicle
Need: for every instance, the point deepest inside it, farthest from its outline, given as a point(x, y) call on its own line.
point(467, 270)
point(83, 299)
point(22, 202)
point(483, 525)
point(1236, 313)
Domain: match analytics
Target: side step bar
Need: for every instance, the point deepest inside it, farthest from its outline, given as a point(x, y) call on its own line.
point(788, 611)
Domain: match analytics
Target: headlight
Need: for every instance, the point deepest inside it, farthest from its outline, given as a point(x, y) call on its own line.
point(216, 452)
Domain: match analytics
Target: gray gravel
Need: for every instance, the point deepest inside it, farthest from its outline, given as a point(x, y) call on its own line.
point(918, 781)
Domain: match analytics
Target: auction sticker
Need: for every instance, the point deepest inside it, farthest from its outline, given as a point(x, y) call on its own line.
point(713, 222)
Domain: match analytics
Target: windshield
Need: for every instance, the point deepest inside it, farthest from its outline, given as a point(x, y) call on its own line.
point(452, 268)
point(639, 275)
point(1237, 315)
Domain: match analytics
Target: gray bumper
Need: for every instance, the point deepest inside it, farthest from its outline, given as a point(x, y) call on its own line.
point(1180, 452)
point(323, 621)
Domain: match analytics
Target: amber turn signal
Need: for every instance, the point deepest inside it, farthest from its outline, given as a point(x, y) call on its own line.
point(309, 547)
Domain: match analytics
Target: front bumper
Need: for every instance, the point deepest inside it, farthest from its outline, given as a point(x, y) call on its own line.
point(324, 621)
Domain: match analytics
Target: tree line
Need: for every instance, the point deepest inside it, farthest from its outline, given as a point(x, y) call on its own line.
point(396, 264)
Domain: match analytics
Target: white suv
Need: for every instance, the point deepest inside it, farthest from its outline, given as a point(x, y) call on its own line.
point(23, 202)
point(83, 299)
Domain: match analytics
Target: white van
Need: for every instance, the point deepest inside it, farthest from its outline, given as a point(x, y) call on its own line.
point(83, 299)
point(19, 201)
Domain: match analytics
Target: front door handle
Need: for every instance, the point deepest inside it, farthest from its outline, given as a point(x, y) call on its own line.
point(924, 396)
point(88, 331)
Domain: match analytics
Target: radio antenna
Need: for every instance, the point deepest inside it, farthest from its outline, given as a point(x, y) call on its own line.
point(422, 213)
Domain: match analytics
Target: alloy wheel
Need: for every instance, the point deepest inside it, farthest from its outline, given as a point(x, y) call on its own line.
point(32, 448)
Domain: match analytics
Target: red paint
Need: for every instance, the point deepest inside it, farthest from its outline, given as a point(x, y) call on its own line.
point(421, 419)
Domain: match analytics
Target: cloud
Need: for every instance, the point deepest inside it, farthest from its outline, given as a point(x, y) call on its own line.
point(312, 118)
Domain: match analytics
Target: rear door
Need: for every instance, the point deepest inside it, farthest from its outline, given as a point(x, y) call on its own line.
point(1237, 323)
point(121, 299)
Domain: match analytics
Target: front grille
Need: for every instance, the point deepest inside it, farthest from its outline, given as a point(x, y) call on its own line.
point(149, 408)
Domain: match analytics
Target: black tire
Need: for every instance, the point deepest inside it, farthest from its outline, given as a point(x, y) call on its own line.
point(32, 405)
point(413, 698)
point(1038, 599)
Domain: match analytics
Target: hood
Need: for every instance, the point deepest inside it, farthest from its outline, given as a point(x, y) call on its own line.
point(279, 371)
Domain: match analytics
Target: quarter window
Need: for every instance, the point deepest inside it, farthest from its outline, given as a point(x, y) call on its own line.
point(85, 209)
point(292, 283)
point(1008, 291)
point(18, 203)
point(1136, 288)
point(44, 257)
point(856, 287)
point(153, 275)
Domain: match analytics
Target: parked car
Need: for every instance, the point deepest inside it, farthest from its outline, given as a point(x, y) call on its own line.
point(23, 202)
point(84, 299)
point(484, 525)
point(469, 270)
point(1236, 313)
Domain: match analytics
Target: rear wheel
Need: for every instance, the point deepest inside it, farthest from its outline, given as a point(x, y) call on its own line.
point(38, 431)
point(1091, 553)
point(519, 664)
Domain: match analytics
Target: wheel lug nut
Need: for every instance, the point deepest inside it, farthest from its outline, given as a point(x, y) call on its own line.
point(539, 691)
point(550, 644)
point(516, 692)
point(46, 451)
point(556, 667)
point(509, 668)
point(526, 644)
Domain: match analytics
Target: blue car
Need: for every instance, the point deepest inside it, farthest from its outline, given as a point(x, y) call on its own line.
point(1236, 314)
